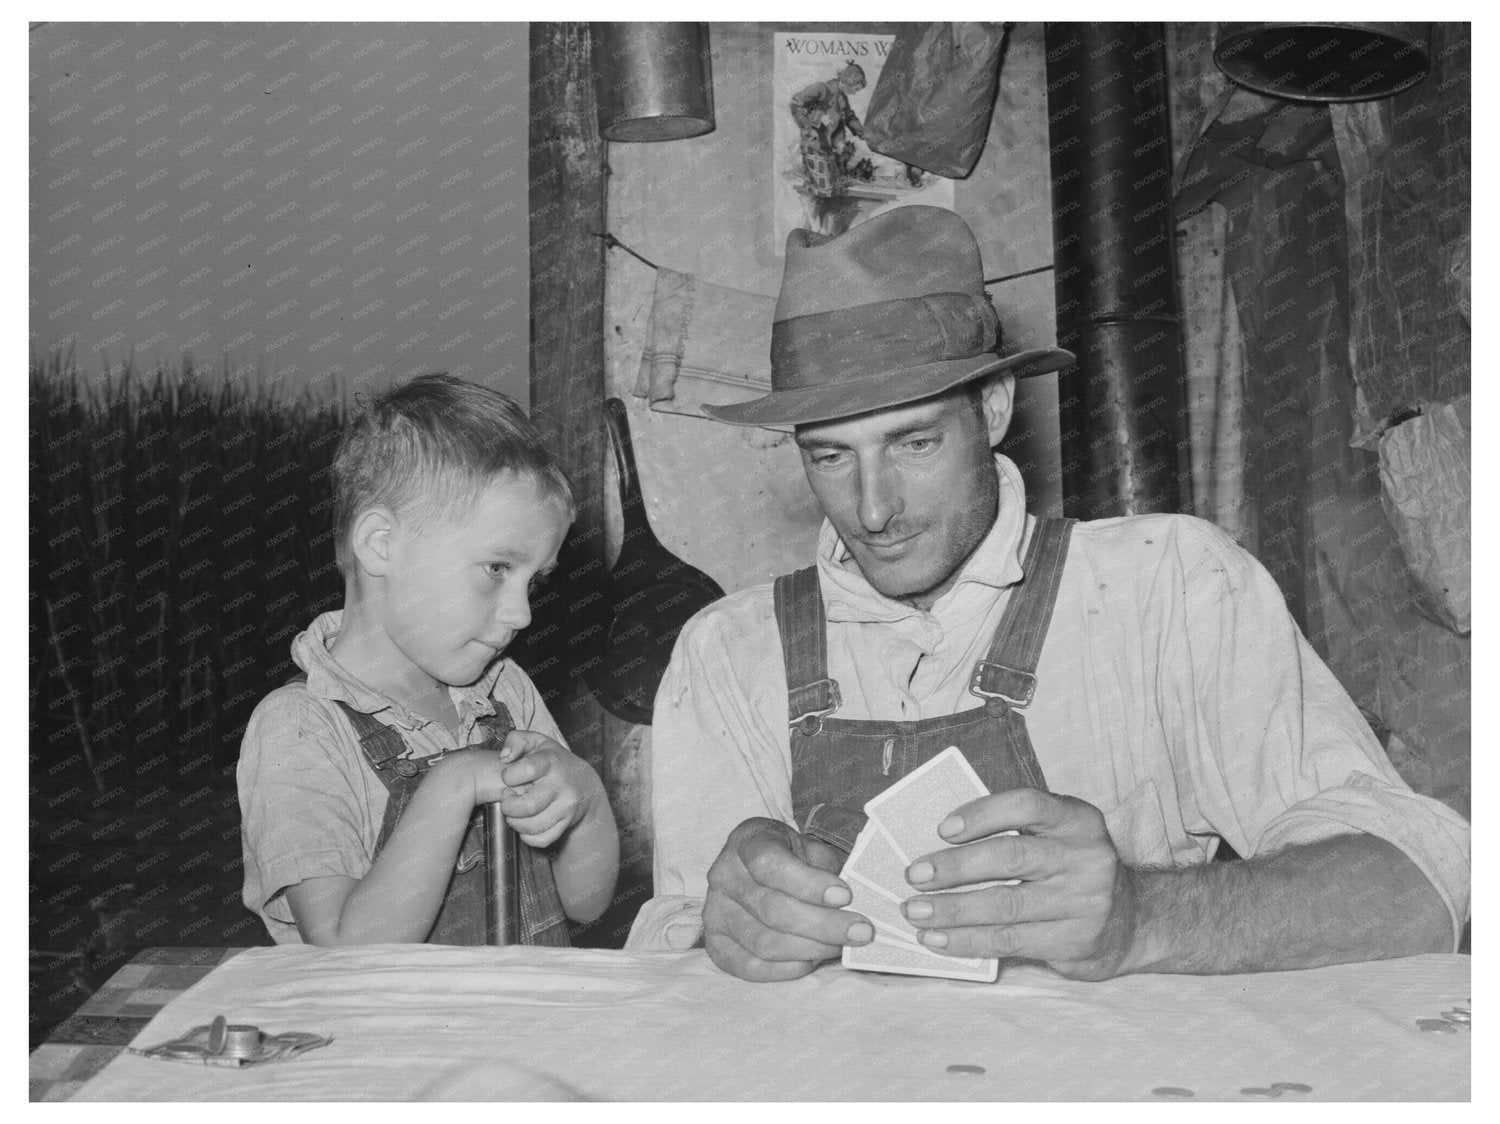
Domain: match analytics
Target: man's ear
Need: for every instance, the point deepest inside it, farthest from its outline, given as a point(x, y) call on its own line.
point(997, 398)
point(371, 539)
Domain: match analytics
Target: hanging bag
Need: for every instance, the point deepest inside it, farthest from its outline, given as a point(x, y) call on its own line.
point(932, 103)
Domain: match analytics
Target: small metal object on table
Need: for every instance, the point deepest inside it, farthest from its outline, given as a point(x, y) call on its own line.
point(108, 1021)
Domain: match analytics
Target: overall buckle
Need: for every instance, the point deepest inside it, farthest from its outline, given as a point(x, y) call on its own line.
point(810, 720)
point(1001, 687)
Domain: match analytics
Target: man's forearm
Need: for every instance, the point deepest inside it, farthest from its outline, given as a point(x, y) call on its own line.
point(1354, 897)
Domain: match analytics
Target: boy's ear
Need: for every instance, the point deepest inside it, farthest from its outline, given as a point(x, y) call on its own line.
point(373, 533)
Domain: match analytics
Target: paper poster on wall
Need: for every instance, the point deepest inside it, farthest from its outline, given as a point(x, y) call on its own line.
point(827, 178)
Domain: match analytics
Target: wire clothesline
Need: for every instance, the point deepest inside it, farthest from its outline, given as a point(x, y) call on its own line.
point(613, 243)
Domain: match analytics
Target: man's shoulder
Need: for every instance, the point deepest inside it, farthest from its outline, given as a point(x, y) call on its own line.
point(1157, 534)
point(745, 613)
point(1157, 552)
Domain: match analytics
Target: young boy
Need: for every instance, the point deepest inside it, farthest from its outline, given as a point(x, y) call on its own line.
point(360, 785)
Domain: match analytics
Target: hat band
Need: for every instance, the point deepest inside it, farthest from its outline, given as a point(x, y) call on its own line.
point(849, 343)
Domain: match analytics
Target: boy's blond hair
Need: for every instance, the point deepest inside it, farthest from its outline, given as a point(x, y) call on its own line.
point(427, 448)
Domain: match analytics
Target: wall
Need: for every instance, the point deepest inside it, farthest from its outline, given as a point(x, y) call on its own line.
point(734, 501)
point(335, 204)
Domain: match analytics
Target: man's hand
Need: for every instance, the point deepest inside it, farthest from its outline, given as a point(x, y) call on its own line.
point(771, 912)
point(1075, 904)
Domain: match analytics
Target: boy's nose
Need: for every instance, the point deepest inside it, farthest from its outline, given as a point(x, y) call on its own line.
point(514, 611)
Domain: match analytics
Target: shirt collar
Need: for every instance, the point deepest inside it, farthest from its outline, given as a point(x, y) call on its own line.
point(995, 562)
point(329, 679)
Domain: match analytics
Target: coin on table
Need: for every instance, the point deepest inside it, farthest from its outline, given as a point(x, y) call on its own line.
point(1171, 1091)
point(1259, 1091)
point(217, 1032)
point(1457, 1015)
point(971, 1069)
point(1291, 1087)
point(1440, 1026)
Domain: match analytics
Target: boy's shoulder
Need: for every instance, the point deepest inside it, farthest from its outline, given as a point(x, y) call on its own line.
point(292, 709)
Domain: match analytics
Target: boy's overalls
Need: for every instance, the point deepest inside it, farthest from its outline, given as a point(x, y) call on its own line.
point(461, 919)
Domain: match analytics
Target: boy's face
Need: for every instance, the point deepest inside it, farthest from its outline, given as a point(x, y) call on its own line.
point(458, 590)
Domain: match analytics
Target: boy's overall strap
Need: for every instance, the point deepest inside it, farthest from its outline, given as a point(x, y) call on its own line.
point(1008, 670)
point(811, 695)
point(384, 746)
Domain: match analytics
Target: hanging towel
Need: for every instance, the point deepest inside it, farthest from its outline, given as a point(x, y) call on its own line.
point(706, 345)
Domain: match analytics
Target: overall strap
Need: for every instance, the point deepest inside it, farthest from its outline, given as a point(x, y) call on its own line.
point(811, 695)
point(497, 725)
point(1006, 676)
point(383, 746)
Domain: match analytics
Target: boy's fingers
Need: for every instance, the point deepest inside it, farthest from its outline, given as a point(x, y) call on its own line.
point(523, 804)
point(525, 771)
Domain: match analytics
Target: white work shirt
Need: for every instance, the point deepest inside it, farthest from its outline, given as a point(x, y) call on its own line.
point(1174, 692)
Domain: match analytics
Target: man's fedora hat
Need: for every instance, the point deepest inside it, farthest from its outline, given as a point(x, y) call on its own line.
point(890, 312)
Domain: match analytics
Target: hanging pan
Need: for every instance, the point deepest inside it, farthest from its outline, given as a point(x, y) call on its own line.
point(652, 594)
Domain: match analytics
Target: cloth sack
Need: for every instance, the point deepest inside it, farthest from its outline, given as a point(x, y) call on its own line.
point(931, 105)
point(1426, 490)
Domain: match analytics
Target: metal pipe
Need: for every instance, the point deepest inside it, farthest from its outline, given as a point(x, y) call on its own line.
point(501, 886)
point(1123, 405)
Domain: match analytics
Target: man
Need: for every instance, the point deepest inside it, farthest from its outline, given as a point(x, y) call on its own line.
point(1131, 690)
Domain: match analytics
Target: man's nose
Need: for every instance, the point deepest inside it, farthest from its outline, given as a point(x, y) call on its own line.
point(879, 498)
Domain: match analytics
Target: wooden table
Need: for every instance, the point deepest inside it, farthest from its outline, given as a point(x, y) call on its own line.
point(108, 1021)
point(418, 1022)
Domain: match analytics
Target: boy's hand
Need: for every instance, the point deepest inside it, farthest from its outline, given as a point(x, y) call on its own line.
point(547, 789)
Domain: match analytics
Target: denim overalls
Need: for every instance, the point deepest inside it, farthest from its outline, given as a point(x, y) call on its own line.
point(461, 919)
point(838, 764)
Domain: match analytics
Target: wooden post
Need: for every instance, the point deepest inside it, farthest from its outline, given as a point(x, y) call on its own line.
point(567, 197)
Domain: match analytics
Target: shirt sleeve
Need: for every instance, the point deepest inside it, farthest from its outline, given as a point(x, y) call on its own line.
point(1274, 751)
point(716, 761)
point(305, 805)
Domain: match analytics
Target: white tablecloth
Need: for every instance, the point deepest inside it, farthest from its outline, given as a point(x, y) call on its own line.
point(409, 1021)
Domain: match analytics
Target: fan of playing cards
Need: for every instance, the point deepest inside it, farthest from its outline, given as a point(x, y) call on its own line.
point(903, 827)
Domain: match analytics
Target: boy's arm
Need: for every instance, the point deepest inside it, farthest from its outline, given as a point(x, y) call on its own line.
point(398, 899)
point(588, 860)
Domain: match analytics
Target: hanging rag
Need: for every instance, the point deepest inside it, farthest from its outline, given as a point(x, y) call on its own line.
point(932, 102)
point(1426, 493)
point(706, 345)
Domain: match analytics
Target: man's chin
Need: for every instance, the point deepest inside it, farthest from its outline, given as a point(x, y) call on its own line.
point(895, 583)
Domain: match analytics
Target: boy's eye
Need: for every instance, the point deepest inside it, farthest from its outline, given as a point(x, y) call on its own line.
point(921, 444)
point(826, 458)
point(497, 569)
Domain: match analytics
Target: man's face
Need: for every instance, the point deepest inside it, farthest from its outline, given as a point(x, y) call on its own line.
point(910, 490)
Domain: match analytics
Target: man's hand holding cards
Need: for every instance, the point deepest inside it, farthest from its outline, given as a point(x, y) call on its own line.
point(902, 827)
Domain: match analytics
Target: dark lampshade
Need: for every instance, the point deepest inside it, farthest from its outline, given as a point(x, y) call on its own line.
point(1325, 62)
